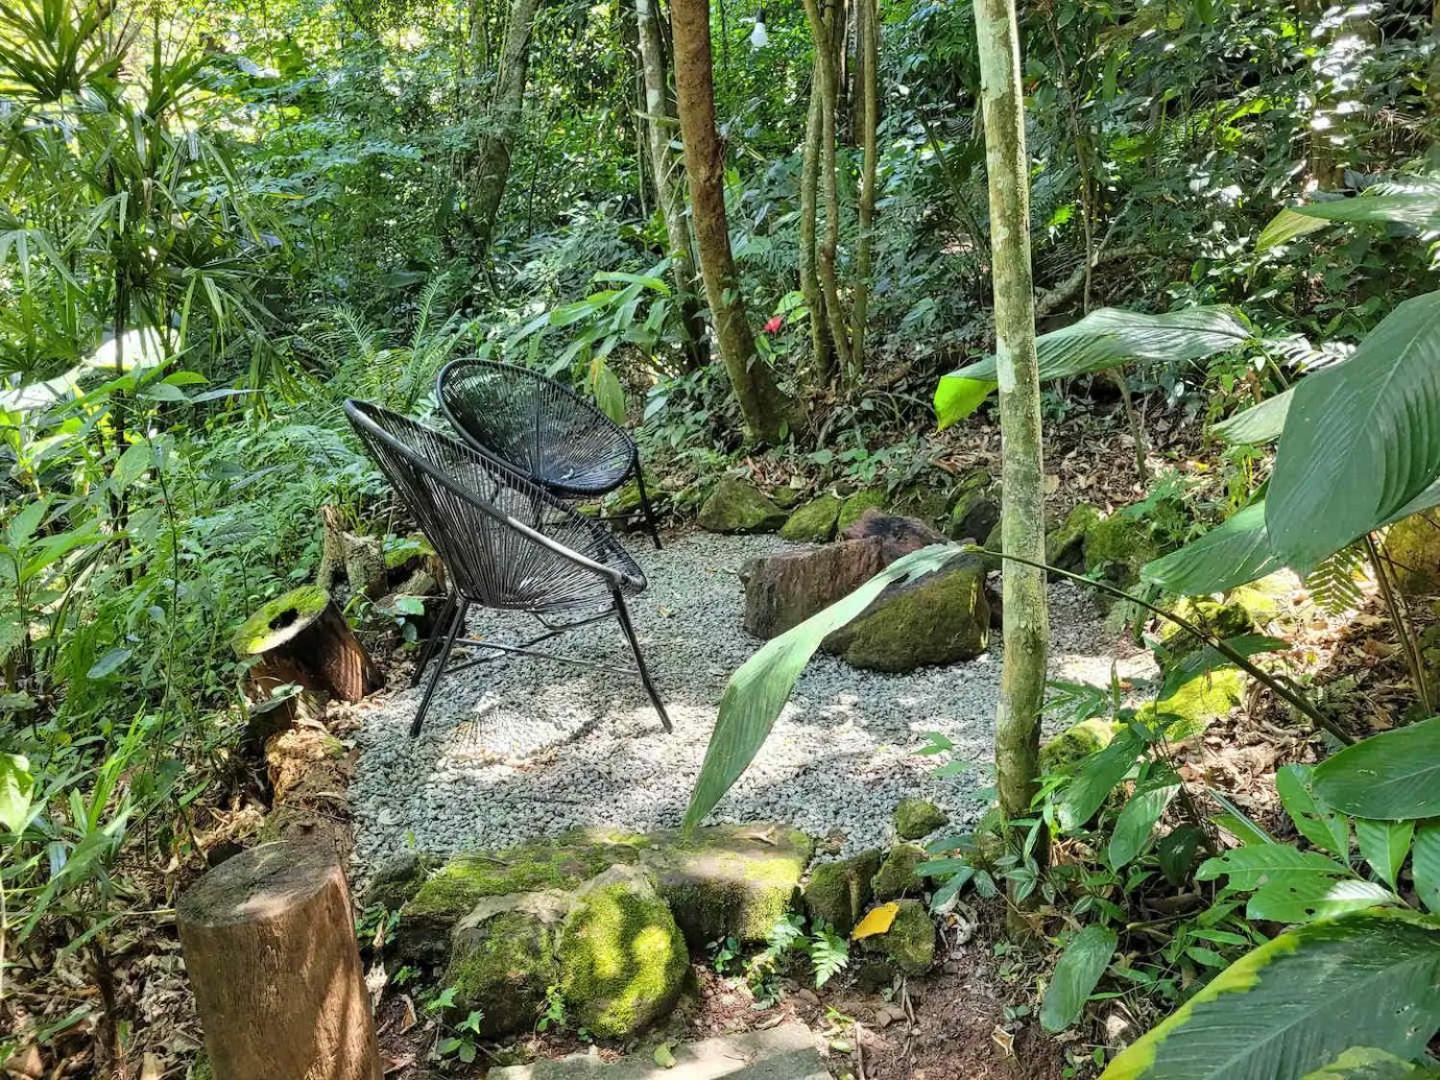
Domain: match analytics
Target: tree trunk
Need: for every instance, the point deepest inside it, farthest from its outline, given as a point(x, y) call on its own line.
point(269, 944)
point(822, 34)
point(662, 125)
point(490, 169)
point(301, 638)
point(761, 403)
point(867, 67)
point(1026, 628)
point(821, 356)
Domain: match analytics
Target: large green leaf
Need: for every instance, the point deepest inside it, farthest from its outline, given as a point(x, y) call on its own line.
point(1384, 845)
point(16, 785)
point(1292, 886)
point(1232, 553)
point(1368, 1063)
point(1362, 439)
point(1394, 775)
point(759, 689)
point(1412, 209)
point(1259, 423)
point(1313, 820)
point(1095, 779)
point(1425, 864)
point(1297, 1002)
point(1106, 338)
point(1138, 818)
point(1081, 965)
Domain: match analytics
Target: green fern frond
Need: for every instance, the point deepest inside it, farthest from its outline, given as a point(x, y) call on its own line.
point(1336, 583)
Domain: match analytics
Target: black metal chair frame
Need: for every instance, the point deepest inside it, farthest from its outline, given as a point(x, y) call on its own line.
point(453, 616)
point(454, 411)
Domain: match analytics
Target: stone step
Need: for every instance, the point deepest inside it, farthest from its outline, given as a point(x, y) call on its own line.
point(786, 1052)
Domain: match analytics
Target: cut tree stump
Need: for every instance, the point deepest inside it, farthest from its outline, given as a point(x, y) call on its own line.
point(269, 943)
point(302, 638)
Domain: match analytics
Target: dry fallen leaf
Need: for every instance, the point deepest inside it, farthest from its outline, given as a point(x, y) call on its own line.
point(1004, 1040)
point(878, 921)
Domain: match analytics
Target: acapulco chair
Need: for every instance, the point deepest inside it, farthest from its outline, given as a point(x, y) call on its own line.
point(507, 544)
point(534, 424)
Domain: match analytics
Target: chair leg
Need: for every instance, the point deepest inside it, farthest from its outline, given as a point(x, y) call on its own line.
point(623, 614)
point(455, 628)
point(442, 624)
point(645, 505)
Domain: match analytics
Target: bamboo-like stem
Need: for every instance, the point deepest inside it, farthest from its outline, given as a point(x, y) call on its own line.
point(1408, 646)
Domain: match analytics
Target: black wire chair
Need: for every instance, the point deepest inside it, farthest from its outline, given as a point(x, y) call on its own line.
point(506, 542)
point(537, 425)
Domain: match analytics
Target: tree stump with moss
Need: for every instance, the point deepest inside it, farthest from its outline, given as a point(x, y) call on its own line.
point(269, 944)
point(301, 638)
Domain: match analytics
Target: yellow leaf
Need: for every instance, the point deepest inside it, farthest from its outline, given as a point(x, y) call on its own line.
point(877, 922)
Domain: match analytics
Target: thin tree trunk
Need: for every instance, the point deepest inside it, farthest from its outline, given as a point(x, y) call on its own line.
point(822, 33)
point(764, 408)
point(867, 67)
point(821, 356)
point(1026, 624)
point(661, 123)
point(491, 167)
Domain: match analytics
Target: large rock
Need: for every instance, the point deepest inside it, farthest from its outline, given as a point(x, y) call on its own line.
point(910, 942)
point(728, 880)
point(896, 876)
point(924, 503)
point(737, 507)
point(1076, 743)
point(815, 522)
point(1412, 547)
point(1065, 542)
point(784, 590)
point(1117, 547)
point(447, 896)
point(622, 957)
point(917, 818)
point(975, 514)
point(503, 959)
point(898, 535)
point(839, 892)
point(855, 505)
point(941, 618)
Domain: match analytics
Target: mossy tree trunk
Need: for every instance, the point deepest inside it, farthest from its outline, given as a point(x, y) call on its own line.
point(821, 355)
point(1026, 623)
point(662, 125)
point(763, 406)
point(867, 69)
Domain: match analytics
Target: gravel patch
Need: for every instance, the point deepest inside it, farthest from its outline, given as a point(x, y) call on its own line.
point(514, 749)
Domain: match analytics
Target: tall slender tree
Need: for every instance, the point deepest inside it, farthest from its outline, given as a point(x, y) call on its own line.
point(661, 124)
point(1026, 622)
point(763, 406)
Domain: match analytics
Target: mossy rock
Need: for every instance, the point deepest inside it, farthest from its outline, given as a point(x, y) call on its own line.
point(728, 880)
point(1076, 743)
point(839, 892)
point(815, 522)
point(396, 880)
point(272, 622)
point(994, 542)
point(896, 876)
point(925, 503)
point(917, 818)
point(1412, 547)
point(1065, 543)
point(504, 958)
point(909, 944)
point(1198, 703)
point(423, 932)
point(1117, 547)
point(974, 516)
point(1224, 620)
point(735, 506)
point(856, 504)
point(942, 618)
point(787, 498)
point(622, 956)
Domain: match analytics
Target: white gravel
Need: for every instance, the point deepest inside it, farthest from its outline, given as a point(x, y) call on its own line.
point(519, 748)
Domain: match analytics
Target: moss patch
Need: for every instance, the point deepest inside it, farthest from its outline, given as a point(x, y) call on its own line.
point(1076, 743)
point(910, 942)
point(273, 621)
point(917, 818)
point(1223, 620)
point(622, 957)
point(838, 892)
point(926, 503)
point(1065, 543)
point(737, 507)
point(398, 879)
point(856, 504)
point(814, 522)
point(942, 618)
point(1413, 547)
point(975, 513)
point(504, 960)
point(1199, 702)
point(896, 875)
point(1117, 547)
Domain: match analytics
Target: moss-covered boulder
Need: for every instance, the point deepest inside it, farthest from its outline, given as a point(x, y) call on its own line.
point(922, 502)
point(815, 522)
point(896, 876)
point(839, 892)
point(1065, 542)
point(917, 818)
point(735, 506)
point(942, 618)
point(1413, 548)
point(1076, 743)
point(504, 958)
point(1116, 547)
point(728, 880)
point(1224, 620)
point(396, 880)
point(1198, 703)
point(909, 944)
point(622, 957)
point(426, 921)
point(975, 514)
point(856, 504)
point(787, 498)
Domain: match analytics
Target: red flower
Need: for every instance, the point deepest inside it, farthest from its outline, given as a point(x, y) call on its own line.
point(774, 325)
